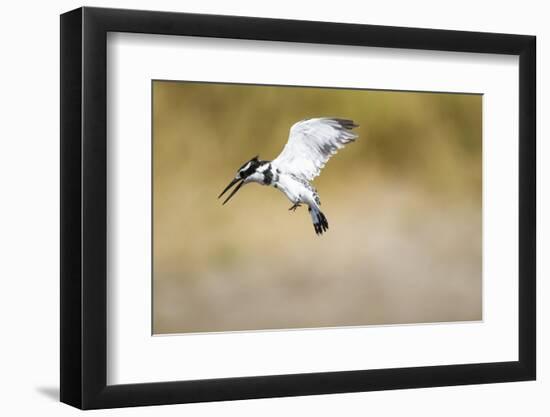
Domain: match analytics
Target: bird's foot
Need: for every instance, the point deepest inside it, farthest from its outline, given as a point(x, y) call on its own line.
point(294, 207)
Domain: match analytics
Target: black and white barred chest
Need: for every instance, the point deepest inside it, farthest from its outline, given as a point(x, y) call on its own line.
point(295, 188)
point(309, 187)
point(270, 175)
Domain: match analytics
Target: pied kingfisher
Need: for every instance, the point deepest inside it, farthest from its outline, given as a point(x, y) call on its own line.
point(310, 145)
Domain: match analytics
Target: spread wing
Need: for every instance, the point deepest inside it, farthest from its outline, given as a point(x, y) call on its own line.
point(310, 145)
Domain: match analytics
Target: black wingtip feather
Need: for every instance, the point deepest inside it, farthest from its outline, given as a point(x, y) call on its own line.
point(346, 123)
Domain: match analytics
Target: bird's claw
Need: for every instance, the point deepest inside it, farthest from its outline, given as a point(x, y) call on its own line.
point(294, 207)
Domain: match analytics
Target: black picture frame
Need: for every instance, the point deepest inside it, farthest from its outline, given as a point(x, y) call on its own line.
point(84, 207)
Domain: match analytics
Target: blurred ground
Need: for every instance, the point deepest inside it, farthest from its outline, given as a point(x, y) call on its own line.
point(403, 203)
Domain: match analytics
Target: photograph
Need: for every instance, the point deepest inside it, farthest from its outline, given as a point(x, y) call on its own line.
point(298, 207)
point(265, 205)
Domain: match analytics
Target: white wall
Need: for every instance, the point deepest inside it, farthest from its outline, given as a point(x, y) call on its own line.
point(29, 172)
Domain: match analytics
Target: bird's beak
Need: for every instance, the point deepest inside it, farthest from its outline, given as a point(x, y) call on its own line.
point(231, 184)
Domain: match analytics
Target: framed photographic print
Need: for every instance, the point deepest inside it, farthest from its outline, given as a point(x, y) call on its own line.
point(257, 208)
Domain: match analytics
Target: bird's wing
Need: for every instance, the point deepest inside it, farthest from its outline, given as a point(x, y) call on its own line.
point(311, 143)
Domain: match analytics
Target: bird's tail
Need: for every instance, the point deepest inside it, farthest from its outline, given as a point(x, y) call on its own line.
point(320, 223)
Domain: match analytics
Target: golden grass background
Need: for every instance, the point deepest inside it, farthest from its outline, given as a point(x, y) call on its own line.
point(403, 203)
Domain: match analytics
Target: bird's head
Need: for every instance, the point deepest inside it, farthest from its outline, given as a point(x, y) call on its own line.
point(245, 174)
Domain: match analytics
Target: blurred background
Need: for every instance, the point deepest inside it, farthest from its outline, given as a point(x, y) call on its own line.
point(403, 203)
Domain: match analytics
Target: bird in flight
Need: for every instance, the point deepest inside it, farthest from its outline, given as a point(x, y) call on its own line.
point(310, 145)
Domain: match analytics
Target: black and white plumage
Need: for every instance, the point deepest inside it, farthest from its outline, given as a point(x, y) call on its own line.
point(311, 143)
